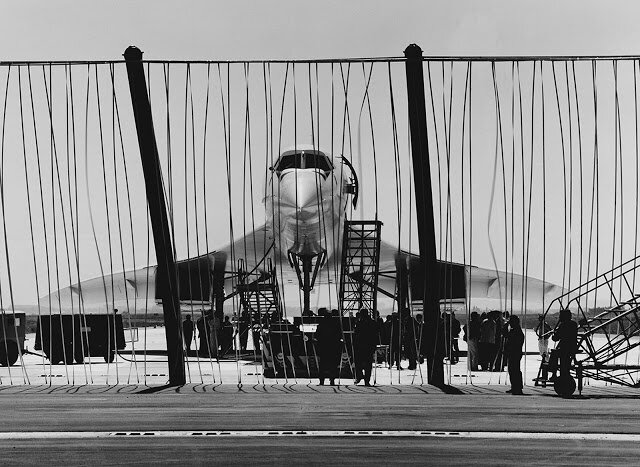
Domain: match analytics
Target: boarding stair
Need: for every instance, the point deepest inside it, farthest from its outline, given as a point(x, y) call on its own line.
point(259, 293)
point(606, 335)
point(360, 266)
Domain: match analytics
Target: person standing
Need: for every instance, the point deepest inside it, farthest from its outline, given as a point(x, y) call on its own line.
point(203, 334)
point(502, 327)
point(542, 331)
point(187, 333)
point(513, 343)
point(365, 338)
point(409, 338)
point(487, 342)
point(215, 331)
point(472, 336)
point(452, 331)
point(566, 334)
point(243, 330)
point(395, 339)
point(329, 347)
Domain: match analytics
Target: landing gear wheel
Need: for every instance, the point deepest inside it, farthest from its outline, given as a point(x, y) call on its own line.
point(565, 386)
point(79, 357)
point(8, 353)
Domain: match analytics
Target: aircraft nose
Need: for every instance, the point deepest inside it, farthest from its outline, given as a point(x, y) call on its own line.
point(301, 189)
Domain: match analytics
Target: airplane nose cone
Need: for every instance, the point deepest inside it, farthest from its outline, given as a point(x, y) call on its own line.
point(301, 189)
point(307, 192)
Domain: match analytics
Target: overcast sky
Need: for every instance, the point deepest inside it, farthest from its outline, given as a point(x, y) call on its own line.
point(243, 30)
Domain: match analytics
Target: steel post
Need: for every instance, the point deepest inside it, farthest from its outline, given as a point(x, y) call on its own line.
point(166, 274)
point(424, 213)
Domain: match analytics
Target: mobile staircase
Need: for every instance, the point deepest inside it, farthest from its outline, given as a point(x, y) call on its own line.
point(259, 292)
point(606, 336)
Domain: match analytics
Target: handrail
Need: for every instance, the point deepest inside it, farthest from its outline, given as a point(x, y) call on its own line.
point(588, 290)
point(581, 286)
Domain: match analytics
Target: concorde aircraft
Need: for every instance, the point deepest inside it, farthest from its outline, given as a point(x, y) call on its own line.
point(307, 200)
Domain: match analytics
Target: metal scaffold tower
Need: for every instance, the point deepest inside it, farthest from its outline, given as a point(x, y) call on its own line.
point(360, 264)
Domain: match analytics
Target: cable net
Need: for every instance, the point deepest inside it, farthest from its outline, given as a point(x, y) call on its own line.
point(534, 174)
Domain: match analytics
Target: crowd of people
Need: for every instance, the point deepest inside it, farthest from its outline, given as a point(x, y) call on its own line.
point(494, 341)
point(485, 335)
point(214, 331)
point(398, 337)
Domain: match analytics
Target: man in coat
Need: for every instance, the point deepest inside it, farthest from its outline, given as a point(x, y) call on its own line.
point(365, 338)
point(513, 352)
point(328, 338)
point(566, 334)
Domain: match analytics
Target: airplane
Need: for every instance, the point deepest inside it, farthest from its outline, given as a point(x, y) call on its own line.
point(306, 205)
point(299, 247)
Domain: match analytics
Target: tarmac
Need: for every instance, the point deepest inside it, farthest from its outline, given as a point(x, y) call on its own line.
point(124, 413)
point(306, 423)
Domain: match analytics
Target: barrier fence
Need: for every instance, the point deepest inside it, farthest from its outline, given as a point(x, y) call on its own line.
point(534, 175)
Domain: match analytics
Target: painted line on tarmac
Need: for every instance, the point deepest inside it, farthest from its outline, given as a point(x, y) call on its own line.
point(32, 435)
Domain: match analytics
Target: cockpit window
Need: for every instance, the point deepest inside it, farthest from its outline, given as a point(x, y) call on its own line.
point(303, 160)
point(291, 161)
point(317, 161)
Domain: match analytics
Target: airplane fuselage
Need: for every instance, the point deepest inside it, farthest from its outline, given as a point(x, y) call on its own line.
point(305, 206)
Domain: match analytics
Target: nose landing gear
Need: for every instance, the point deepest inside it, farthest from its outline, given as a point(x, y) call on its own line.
point(306, 262)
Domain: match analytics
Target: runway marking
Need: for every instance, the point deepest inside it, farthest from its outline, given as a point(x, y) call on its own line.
point(32, 435)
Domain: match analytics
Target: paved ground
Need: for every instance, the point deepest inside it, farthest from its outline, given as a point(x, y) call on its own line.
point(137, 367)
point(200, 408)
point(60, 420)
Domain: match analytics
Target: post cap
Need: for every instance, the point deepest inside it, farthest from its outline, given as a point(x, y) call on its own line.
point(132, 53)
point(413, 51)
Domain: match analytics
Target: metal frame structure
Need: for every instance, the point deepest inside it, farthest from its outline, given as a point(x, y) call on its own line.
point(259, 293)
point(619, 325)
point(360, 266)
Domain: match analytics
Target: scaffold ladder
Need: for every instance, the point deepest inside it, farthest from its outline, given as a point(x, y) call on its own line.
point(360, 265)
point(259, 293)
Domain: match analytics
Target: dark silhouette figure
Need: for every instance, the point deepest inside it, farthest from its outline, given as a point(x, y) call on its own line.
point(409, 338)
point(216, 332)
point(472, 336)
point(488, 341)
point(365, 338)
point(566, 334)
point(513, 342)
point(187, 332)
point(385, 332)
point(381, 336)
point(226, 335)
point(395, 338)
point(203, 334)
point(502, 327)
point(243, 331)
point(452, 331)
point(329, 347)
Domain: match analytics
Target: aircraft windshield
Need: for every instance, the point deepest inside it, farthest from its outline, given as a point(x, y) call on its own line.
point(302, 160)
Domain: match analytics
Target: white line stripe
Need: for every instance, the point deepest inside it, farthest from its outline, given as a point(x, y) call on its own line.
point(30, 435)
